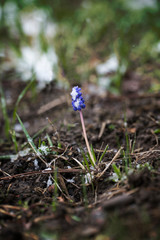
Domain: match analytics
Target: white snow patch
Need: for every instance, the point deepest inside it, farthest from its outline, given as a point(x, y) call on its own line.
point(36, 166)
point(114, 177)
point(79, 150)
point(69, 167)
point(20, 154)
point(44, 71)
point(33, 60)
point(92, 168)
point(14, 157)
point(32, 22)
point(24, 152)
point(111, 65)
point(88, 178)
point(18, 127)
point(46, 169)
point(71, 180)
point(43, 150)
point(49, 182)
point(125, 124)
point(104, 82)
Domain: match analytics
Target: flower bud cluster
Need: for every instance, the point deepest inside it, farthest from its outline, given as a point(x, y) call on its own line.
point(77, 99)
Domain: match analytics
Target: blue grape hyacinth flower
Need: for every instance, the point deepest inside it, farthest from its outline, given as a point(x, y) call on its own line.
point(77, 99)
point(78, 104)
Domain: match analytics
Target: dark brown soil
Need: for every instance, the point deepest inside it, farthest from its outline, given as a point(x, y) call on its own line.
point(103, 210)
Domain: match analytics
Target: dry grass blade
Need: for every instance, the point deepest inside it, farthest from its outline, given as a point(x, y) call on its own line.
point(63, 186)
point(5, 173)
point(52, 104)
point(11, 207)
point(43, 218)
point(7, 213)
point(102, 129)
point(31, 236)
point(80, 164)
point(109, 164)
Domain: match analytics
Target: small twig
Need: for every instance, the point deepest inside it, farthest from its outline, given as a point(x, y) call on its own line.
point(109, 164)
point(59, 156)
point(156, 138)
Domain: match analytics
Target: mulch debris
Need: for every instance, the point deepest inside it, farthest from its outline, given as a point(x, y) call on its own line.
point(33, 208)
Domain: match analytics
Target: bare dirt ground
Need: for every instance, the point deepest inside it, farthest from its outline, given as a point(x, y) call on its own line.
point(104, 210)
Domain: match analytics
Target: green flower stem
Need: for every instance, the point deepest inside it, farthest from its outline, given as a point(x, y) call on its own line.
point(85, 137)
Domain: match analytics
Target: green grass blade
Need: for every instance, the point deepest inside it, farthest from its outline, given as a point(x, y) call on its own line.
point(21, 96)
point(86, 164)
point(133, 145)
point(104, 152)
point(36, 134)
point(92, 163)
point(157, 131)
point(6, 157)
point(4, 111)
point(116, 170)
point(49, 141)
point(13, 135)
point(29, 139)
point(40, 131)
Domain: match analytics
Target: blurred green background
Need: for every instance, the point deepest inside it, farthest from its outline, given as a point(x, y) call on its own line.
point(72, 42)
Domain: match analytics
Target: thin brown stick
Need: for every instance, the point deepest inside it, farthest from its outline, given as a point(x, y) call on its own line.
point(52, 104)
point(28, 174)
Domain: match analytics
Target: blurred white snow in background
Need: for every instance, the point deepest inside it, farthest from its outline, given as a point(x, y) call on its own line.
point(31, 58)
